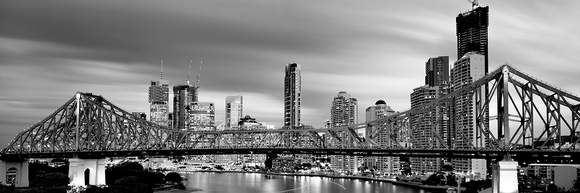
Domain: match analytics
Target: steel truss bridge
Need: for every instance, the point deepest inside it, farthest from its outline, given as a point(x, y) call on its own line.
point(515, 115)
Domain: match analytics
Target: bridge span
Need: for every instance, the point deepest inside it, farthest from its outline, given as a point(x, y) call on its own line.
point(520, 117)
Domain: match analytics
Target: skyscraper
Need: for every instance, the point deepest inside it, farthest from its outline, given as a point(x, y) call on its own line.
point(430, 127)
point(159, 102)
point(383, 163)
point(465, 71)
point(437, 75)
point(234, 111)
point(437, 71)
point(292, 90)
point(472, 32)
point(344, 111)
point(183, 96)
point(426, 130)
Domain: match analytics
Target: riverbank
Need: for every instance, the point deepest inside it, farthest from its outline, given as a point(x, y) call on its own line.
point(401, 183)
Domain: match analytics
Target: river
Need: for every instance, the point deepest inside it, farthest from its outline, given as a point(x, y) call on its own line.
point(255, 183)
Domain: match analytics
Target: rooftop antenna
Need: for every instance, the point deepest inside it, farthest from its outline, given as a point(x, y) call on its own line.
point(161, 69)
point(198, 74)
point(189, 72)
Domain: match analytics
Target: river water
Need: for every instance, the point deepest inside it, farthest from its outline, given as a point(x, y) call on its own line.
point(255, 183)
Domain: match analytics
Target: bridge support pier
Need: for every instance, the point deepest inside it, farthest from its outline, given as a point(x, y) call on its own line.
point(84, 172)
point(505, 177)
point(15, 173)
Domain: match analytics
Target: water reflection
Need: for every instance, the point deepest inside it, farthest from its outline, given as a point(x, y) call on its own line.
point(254, 183)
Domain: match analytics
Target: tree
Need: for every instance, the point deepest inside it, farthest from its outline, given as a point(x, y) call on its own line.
point(218, 167)
point(128, 180)
point(173, 177)
point(451, 179)
point(447, 168)
point(130, 166)
point(50, 180)
point(125, 169)
point(306, 165)
point(130, 184)
point(433, 180)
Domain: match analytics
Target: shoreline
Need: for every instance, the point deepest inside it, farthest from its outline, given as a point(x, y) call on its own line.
point(401, 183)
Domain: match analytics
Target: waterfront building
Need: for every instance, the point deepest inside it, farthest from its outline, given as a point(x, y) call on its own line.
point(426, 130)
point(250, 123)
point(472, 33)
point(430, 128)
point(539, 175)
point(384, 164)
point(183, 96)
point(344, 111)
point(464, 71)
point(201, 117)
point(292, 90)
point(159, 102)
point(234, 111)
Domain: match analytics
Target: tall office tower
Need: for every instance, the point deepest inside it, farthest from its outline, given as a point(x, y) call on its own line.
point(183, 96)
point(234, 111)
point(201, 116)
point(159, 102)
point(292, 90)
point(381, 164)
point(469, 68)
point(426, 131)
point(344, 111)
point(472, 32)
point(437, 75)
point(437, 71)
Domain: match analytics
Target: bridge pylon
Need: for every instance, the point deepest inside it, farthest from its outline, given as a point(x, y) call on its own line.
point(84, 172)
point(14, 173)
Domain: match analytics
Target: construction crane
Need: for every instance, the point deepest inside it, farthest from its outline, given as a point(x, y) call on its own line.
point(474, 3)
point(198, 74)
point(196, 85)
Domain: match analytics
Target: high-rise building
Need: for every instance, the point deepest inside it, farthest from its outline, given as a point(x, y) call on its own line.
point(234, 111)
point(292, 90)
point(472, 32)
point(201, 116)
point(466, 70)
point(159, 102)
point(437, 71)
point(344, 111)
point(183, 96)
point(426, 130)
point(431, 126)
point(384, 164)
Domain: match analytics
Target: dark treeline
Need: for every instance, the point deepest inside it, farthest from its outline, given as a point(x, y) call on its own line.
point(126, 177)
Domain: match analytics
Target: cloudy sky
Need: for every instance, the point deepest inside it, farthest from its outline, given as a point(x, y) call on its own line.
point(374, 50)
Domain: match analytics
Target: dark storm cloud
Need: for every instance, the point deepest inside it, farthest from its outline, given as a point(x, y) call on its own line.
point(371, 49)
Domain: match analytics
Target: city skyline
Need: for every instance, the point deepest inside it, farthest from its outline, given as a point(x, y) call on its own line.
point(372, 50)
